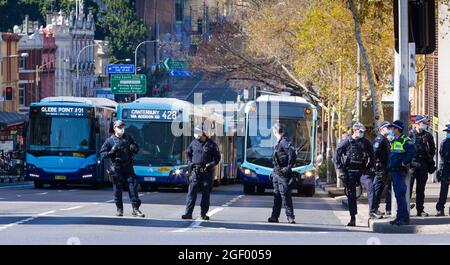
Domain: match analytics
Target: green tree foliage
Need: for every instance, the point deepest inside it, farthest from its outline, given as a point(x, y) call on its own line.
point(12, 12)
point(123, 29)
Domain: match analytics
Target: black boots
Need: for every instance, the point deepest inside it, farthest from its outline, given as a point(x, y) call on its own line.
point(186, 216)
point(272, 220)
point(352, 221)
point(119, 212)
point(137, 213)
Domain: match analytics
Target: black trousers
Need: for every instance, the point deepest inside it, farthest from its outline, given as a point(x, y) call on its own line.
point(126, 178)
point(420, 176)
point(206, 182)
point(282, 193)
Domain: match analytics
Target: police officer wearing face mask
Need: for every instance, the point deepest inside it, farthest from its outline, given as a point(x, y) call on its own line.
point(443, 174)
point(121, 148)
point(202, 156)
point(283, 158)
point(381, 148)
point(423, 162)
point(400, 158)
point(354, 161)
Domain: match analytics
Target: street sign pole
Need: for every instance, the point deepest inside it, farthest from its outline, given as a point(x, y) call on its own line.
point(401, 88)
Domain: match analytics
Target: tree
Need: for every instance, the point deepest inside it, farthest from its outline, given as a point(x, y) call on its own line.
point(13, 12)
point(123, 29)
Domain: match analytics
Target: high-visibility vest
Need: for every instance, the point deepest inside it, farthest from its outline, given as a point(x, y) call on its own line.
point(399, 146)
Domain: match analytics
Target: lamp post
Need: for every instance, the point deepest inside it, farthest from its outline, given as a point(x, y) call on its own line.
point(135, 55)
point(78, 58)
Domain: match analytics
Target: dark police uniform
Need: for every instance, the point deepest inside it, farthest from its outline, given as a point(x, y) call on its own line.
point(401, 155)
point(420, 166)
point(355, 159)
point(283, 158)
point(121, 152)
point(444, 172)
point(381, 148)
point(202, 157)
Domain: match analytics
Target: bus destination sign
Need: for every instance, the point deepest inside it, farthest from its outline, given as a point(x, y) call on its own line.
point(61, 111)
point(150, 114)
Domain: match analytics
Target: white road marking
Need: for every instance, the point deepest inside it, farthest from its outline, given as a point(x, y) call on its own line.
point(46, 213)
point(198, 221)
point(18, 196)
point(42, 193)
point(25, 220)
point(109, 201)
point(72, 208)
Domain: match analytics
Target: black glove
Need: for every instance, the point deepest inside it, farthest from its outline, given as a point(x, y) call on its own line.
point(113, 151)
point(379, 167)
point(209, 166)
point(285, 170)
point(133, 148)
point(439, 175)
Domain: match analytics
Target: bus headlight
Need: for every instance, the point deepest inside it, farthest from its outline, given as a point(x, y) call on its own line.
point(249, 172)
point(177, 171)
point(309, 174)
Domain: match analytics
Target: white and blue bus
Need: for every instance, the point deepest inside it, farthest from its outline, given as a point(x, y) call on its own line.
point(300, 118)
point(65, 135)
point(163, 129)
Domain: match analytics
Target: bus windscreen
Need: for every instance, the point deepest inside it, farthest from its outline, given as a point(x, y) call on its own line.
point(261, 141)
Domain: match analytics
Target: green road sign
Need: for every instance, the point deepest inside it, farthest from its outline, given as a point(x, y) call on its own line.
point(128, 84)
point(169, 64)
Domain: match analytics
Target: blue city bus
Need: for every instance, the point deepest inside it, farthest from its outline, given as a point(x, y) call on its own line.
point(161, 161)
point(300, 118)
point(65, 135)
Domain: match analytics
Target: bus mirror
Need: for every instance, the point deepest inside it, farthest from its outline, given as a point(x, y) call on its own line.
point(111, 127)
point(319, 160)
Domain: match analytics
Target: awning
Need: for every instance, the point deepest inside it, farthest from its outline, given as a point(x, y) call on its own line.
point(11, 118)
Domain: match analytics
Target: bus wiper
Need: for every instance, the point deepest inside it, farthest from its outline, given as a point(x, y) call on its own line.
point(57, 147)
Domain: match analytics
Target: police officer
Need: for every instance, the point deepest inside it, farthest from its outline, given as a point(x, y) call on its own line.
point(283, 158)
point(381, 147)
point(400, 157)
point(423, 162)
point(202, 156)
point(121, 148)
point(444, 172)
point(354, 161)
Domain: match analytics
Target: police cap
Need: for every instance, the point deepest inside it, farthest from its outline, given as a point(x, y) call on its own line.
point(421, 118)
point(118, 123)
point(398, 124)
point(359, 126)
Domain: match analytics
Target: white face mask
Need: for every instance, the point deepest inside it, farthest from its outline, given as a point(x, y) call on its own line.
point(277, 135)
point(120, 132)
point(196, 136)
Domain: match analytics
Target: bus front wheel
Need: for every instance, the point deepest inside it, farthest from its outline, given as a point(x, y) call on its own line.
point(307, 190)
point(38, 184)
point(260, 189)
point(249, 189)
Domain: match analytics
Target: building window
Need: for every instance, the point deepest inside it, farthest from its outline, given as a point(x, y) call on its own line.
point(22, 62)
point(179, 10)
point(21, 95)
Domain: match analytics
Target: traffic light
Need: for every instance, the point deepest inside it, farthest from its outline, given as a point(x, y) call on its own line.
point(9, 93)
point(422, 25)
